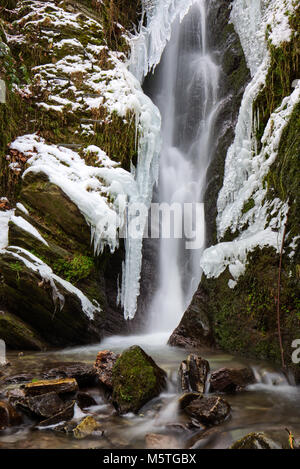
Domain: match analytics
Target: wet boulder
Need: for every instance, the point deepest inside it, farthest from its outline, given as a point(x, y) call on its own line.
point(193, 374)
point(103, 367)
point(60, 386)
point(8, 415)
point(136, 379)
point(67, 413)
point(231, 379)
point(42, 406)
point(255, 441)
point(208, 411)
point(186, 398)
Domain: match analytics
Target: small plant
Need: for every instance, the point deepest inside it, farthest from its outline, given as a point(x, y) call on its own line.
point(74, 269)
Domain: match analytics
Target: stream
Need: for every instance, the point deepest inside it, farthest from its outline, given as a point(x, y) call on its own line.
point(271, 405)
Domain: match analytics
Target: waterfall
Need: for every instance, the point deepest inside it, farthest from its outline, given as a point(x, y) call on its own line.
point(185, 89)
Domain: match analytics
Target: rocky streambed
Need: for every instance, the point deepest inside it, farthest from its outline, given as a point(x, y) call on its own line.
point(133, 392)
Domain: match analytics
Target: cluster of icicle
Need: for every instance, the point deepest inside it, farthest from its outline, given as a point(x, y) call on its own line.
point(245, 168)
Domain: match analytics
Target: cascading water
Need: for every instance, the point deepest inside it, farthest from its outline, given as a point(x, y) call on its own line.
point(185, 89)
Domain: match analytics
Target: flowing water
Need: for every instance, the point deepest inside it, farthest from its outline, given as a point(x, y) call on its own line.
point(270, 405)
point(185, 89)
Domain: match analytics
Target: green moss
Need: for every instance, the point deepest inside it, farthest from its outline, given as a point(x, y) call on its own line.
point(248, 206)
point(136, 379)
point(75, 269)
point(283, 70)
point(245, 318)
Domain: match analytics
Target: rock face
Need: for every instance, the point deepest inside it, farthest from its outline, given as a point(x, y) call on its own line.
point(208, 410)
point(60, 386)
point(231, 379)
point(255, 441)
point(194, 330)
point(136, 379)
point(103, 367)
point(193, 374)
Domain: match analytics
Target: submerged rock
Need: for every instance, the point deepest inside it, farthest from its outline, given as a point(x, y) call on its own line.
point(193, 374)
point(136, 379)
point(255, 441)
point(8, 415)
point(231, 379)
point(208, 410)
point(158, 441)
point(88, 427)
point(103, 367)
point(60, 386)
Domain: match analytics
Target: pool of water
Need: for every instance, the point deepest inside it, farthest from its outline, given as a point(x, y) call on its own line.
point(271, 405)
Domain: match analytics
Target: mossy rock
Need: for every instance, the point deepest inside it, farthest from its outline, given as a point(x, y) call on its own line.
point(136, 379)
point(19, 335)
point(255, 441)
point(46, 198)
point(23, 293)
point(86, 428)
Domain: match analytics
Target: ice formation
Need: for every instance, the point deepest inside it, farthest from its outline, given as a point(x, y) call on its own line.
point(26, 226)
point(244, 168)
point(148, 45)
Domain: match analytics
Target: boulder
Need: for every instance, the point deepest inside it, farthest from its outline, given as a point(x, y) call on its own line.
point(231, 379)
point(103, 367)
point(208, 411)
point(60, 386)
point(136, 379)
point(194, 330)
point(83, 373)
point(255, 441)
point(193, 374)
point(66, 414)
point(8, 415)
point(158, 441)
point(88, 427)
point(18, 334)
